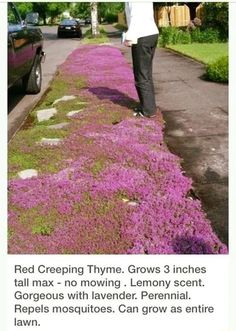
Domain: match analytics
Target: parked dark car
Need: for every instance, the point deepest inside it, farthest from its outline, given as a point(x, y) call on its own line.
point(70, 28)
point(25, 50)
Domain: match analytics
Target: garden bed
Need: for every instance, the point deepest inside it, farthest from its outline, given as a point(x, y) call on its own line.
point(110, 186)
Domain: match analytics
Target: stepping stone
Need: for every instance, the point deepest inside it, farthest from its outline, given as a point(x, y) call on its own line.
point(133, 203)
point(46, 114)
point(50, 141)
point(130, 203)
point(74, 112)
point(65, 98)
point(125, 200)
point(58, 126)
point(28, 173)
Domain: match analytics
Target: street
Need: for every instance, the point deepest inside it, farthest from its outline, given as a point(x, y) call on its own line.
point(19, 104)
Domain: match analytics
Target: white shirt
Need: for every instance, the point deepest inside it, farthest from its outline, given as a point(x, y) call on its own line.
point(140, 20)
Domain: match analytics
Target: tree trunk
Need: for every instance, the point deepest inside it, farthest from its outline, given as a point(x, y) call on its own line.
point(44, 19)
point(94, 18)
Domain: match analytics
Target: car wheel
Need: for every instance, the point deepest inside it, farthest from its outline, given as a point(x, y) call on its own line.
point(58, 35)
point(33, 81)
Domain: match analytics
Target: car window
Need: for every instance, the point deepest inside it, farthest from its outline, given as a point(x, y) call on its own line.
point(69, 22)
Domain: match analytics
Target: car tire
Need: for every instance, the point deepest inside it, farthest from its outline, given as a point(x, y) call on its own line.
point(33, 81)
point(58, 35)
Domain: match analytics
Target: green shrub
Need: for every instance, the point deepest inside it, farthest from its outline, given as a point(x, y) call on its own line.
point(172, 35)
point(205, 36)
point(167, 35)
point(196, 35)
point(102, 33)
point(210, 36)
point(218, 71)
point(111, 18)
point(182, 37)
point(215, 15)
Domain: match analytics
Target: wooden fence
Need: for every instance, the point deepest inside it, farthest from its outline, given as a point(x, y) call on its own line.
point(170, 15)
point(199, 11)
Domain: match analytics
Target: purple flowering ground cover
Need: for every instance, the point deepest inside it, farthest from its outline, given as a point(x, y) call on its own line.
point(111, 186)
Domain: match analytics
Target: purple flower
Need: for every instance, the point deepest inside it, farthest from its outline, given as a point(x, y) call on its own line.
point(110, 159)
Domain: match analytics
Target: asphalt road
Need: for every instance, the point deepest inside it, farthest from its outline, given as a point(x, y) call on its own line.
point(19, 104)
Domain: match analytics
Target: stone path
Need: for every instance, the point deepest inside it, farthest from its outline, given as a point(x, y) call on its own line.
point(28, 173)
point(45, 115)
point(58, 126)
point(64, 98)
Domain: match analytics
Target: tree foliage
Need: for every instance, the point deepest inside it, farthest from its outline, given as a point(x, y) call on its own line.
point(216, 16)
point(24, 8)
point(45, 9)
point(108, 11)
point(80, 10)
point(56, 8)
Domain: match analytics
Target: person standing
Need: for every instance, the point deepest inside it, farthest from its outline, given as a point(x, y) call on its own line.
point(142, 37)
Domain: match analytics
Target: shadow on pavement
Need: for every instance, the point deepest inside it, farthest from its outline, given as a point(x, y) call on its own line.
point(117, 97)
point(209, 186)
point(114, 34)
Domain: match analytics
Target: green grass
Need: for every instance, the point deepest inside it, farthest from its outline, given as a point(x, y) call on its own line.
point(101, 38)
point(96, 40)
point(39, 223)
point(120, 26)
point(59, 88)
point(205, 53)
point(25, 152)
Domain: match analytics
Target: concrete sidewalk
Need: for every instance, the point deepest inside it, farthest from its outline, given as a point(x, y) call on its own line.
point(196, 115)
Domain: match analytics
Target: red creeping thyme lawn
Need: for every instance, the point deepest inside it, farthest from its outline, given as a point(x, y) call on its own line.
point(117, 189)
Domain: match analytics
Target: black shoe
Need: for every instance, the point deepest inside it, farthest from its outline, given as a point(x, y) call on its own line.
point(138, 114)
point(137, 109)
point(142, 114)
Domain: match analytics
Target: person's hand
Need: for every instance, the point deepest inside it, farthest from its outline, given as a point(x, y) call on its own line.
point(128, 43)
